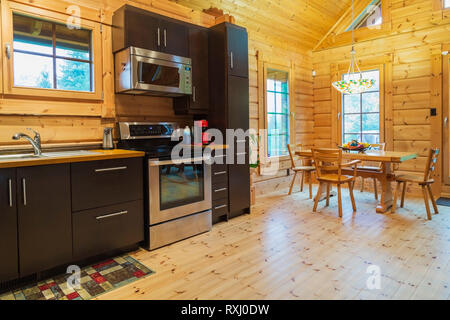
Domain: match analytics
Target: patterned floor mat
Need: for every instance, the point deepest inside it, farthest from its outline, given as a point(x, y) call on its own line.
point(95, 280)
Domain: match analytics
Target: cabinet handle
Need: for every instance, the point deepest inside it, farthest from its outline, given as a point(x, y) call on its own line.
point(165, 38)
point(241, 154)
point(8, 50)
point(219, 173)
point(220, 190)
point(232, 60)
point(24, 190)
point(159, 37)
point(111, 169)
point(220, 207)
point(241, 141)
point(194, 98)
point(111, 215)
point(10, 193)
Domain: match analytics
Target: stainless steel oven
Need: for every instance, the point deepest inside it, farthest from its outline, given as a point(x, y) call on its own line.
point(178, 188)
point(141, 71)
point(179, 200)
point(178, 192)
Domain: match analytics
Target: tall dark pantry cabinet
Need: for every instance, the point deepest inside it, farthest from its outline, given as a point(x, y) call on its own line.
point(229, 109)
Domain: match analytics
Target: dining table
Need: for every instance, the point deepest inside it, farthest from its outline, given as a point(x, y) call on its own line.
point(384, 175)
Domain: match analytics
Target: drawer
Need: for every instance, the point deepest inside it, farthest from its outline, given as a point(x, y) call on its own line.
point(220, 191)
point(106, 229)
point(220, 207)
point(219, 175)
point(102, 183)
point(219, 167)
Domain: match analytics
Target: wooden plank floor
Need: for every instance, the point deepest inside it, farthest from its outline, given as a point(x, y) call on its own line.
point(284, 251)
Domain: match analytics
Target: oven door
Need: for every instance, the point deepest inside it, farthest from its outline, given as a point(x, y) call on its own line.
point(155, 75)
point(178, 189)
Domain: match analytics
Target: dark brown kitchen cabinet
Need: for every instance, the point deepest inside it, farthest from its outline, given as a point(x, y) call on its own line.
point(174, 37)
point(102, 183)
point(106, 229)
point(229, 108)
point(9, 268)
point(238, 103)
point(198, 102)
point(134, 27)
point(44, 217)
point(237, 40)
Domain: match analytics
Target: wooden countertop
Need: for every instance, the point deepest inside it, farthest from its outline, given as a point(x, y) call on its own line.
point(102, 155)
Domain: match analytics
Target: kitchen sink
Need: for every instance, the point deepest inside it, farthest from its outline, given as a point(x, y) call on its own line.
point(54, 154)
point(9, 157)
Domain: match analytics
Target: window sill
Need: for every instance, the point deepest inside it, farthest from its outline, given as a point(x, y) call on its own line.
point(53, 94)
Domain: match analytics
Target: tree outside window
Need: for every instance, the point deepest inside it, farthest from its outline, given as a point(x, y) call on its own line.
point(277, 97)
point(49, 55)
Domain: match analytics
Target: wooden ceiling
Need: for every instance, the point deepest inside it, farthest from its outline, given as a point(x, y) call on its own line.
point(302, 23)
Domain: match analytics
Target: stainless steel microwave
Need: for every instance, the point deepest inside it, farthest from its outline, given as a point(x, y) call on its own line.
point(141, 71)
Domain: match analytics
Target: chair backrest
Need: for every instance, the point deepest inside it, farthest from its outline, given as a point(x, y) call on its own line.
point(292, 149)
point(431, 164)
point(327, 160)
point(380, 147)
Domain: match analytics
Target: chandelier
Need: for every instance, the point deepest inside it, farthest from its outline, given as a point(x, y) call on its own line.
point(355, 83)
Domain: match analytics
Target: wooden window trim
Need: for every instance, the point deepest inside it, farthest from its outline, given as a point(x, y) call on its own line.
point(384, 65)
point(262, 88)
point(7, 9)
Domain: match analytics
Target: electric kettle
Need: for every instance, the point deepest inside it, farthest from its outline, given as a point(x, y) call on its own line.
point(108, 143)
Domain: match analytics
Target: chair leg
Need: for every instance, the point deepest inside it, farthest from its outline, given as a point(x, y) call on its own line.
point(427, 205)
point(292, 183)
point(403, 194)
point(316, 200)
point(362, 184)
point(433, 201)
point(303, 178)
point(328, 194)
point(375, 188)
point(310, 184)
point(340, 200)
point(397, 191)
point(350, 190)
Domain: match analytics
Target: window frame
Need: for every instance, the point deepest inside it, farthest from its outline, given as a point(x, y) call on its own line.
point(266, 92)
point(290, 70)
point(7, 10)
point(383, 96)
point(361, 113)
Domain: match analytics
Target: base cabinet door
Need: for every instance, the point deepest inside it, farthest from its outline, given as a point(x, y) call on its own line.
point(9, 268)
point(44, 217)
point(239, 194)
point(109, 228)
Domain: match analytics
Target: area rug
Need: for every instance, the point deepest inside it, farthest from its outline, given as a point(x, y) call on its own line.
point(94, 281)
point(443, 202)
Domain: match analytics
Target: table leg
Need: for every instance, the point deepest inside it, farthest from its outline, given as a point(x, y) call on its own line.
point(386, 193)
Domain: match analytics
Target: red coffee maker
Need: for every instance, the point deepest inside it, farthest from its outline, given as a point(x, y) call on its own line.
point(204, 125)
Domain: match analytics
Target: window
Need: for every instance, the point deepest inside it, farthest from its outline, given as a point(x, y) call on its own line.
point(50, 55)
point(371, 16)
point(361, 113)
point(277, 97)
point(446, 4)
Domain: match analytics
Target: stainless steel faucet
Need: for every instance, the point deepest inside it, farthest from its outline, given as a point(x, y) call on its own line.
point(35, 142)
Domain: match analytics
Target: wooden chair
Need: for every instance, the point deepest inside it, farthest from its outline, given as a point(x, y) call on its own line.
point(329, 166)
point(424, 181)
point(373, 166)
point(304, 169)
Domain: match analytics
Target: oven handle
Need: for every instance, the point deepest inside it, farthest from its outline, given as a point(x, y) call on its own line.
point(157, 163)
